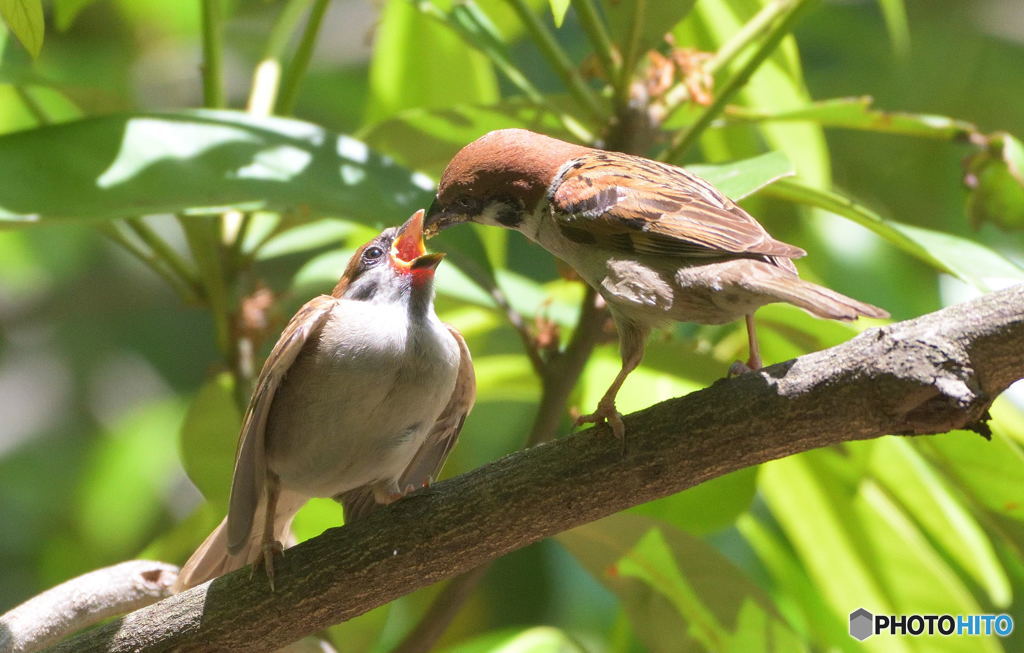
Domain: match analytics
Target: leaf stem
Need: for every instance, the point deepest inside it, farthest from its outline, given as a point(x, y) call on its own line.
point(165, 253)
point(687, 137)
point(213, 49)
point(185, 290)
point(559, 60)
point(32, 104)
point(292, 78)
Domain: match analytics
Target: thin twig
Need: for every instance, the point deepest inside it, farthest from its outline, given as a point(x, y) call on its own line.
point(187, 292)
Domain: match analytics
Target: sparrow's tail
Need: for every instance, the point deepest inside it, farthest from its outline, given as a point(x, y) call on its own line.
point(212, 558)
point(817, 300)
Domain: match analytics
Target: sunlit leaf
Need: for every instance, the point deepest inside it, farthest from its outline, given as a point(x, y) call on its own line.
point(558, 9)
point(709, 507)
point(25, 19)
point(677, 590)
point(208, 439)
point(859, 547)
point(920, 490)
point(196, 161)
point(858, 113)
point(742, 178)
point(995, 177)
point(966, 259)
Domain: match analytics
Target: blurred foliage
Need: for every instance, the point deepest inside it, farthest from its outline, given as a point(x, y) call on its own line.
point(179, 177)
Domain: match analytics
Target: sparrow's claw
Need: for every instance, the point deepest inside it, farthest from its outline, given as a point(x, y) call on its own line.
point(266, 561)
point(606, 413)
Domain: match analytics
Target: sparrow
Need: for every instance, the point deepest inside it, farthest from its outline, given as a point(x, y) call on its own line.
point(361, 400)
point(658, 243)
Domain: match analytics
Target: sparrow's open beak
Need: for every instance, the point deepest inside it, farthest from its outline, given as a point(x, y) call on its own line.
point(409, 252)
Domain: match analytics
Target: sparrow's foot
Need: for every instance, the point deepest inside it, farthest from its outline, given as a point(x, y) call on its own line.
point(738, 368)
point(266, 560)
point(606, 413)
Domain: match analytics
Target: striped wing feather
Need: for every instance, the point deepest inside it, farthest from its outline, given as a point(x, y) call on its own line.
point(641, 206)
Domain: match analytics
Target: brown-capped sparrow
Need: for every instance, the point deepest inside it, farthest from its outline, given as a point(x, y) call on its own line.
point(361, 400)
point(657, 242)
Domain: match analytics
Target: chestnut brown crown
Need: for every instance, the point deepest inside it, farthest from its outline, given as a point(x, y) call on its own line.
point(511, 166)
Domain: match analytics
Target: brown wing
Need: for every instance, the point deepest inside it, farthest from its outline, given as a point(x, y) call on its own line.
point(428, 461)
point(637, 205)
point(250, 464)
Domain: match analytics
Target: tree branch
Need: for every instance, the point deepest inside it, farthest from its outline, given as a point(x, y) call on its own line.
point(928, 375)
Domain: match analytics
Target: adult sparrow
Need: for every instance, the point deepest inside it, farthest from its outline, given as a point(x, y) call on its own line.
point(361, 400)
point(657, 242)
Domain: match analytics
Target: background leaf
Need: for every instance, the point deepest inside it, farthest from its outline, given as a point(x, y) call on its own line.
point(25, 19)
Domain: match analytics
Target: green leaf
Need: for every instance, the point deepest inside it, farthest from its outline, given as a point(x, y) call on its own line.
point(65, 11)
point(677, 590)
point(25, 19)
point(418, 62)
point(860, 547)
point(558, 9)
point(208, 439)
point(199, 161)
point(538, 639)
point(917, 486)
point(995, 177)
point(709, 507)
point(776, 85)
point(125, 478)
point(857, 113)
point(742, 178)
point(966, 259)
point(992, 472)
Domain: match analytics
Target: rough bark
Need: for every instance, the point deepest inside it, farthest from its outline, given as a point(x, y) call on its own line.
point(928, 375)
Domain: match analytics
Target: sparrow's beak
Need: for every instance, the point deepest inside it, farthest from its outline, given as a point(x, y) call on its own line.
point(409, 252)
point(437, 218)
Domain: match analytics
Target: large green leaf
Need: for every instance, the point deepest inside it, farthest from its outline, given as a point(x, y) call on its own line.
point(679, 592)
point(196, 161)
point(742, 178)
point(962, 258)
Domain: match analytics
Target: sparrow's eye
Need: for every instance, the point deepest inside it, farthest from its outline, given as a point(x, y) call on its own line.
point(372, 254)
point(463, 203)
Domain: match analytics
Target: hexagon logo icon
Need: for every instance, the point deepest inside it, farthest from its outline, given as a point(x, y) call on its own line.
point(862, 624)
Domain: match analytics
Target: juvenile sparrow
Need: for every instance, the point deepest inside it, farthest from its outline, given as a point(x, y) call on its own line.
point(657, 242)
point(361, 400)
